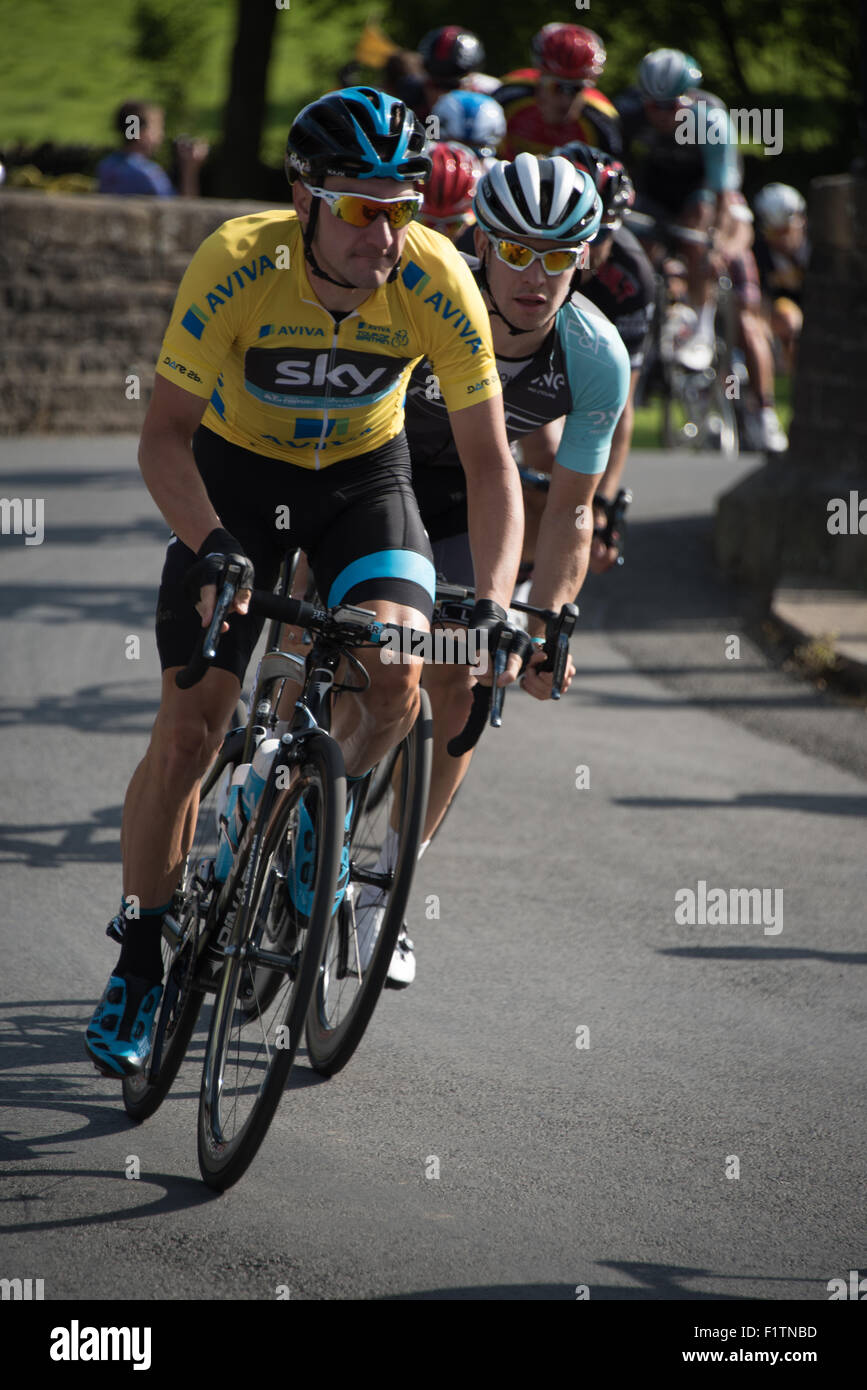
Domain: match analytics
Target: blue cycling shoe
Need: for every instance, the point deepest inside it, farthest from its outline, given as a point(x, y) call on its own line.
point(299, 880)
point(118, 1037)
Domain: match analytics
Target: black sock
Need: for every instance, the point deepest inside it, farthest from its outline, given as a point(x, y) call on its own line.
point(141, 952)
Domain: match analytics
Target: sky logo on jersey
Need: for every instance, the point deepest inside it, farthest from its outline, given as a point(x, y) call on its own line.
point(195, 319)
point(417, 280)
point(309, 379)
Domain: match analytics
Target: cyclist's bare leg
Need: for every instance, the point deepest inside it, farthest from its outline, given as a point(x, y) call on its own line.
point(700, 279)
point(758, 354)
point(368, 725)
point(162, 798)
point(450, 691)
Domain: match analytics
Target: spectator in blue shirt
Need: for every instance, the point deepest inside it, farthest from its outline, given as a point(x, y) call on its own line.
point(132, 171)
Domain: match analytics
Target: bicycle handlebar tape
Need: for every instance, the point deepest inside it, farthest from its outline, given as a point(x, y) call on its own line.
point(472, 730)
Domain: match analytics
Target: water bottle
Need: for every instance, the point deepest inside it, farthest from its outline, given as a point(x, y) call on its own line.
point(257, 776)
point(232, 824)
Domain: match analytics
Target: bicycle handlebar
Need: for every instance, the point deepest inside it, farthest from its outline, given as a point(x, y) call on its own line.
point(354, 626)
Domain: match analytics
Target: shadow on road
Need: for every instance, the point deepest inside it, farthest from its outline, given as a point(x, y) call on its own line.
point(80, 603)
point(655, 1281)
point(773, 954)
point(814, 803)
point(75, 841)
point(119, 707)
point(178, 1195)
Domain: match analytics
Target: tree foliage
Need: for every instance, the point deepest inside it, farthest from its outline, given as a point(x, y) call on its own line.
point(794, 55)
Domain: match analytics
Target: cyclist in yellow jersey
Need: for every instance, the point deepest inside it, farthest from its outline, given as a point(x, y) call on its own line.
point(276, 422)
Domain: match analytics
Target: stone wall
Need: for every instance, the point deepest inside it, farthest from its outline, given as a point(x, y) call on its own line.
point(774, 524)
point(87, 285)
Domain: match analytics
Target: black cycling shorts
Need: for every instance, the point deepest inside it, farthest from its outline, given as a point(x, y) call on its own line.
point(357, 521)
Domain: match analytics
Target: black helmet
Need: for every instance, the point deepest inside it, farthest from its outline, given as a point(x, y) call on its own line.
point(451, 53)
point(357, 132)
point(613, 184)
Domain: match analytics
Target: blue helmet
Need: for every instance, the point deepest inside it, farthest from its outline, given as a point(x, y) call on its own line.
point(472, 119)
point(357, 132)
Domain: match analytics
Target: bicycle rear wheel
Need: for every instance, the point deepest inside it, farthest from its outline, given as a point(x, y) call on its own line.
point(346, 989)
point(252, 1043)
point(182, 1001)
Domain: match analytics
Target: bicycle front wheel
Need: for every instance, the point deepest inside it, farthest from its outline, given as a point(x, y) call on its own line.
point(253, 1038)
point(354, 967)
point(181, 1001)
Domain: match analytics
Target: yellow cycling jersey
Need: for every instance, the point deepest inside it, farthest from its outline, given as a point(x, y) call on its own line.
point(285, 380)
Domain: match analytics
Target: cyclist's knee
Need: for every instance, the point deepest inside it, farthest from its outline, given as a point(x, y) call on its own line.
point(188, 731)
point(394, 689)
point(450, 691)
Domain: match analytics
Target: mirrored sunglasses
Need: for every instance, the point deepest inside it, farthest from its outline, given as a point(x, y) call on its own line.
point(554, 262)
point(360, 211)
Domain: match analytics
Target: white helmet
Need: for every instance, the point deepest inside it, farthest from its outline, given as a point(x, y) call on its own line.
point(777, 203)
point(665, 74)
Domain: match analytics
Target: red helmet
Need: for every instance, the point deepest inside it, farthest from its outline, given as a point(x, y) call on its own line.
point(570, 52)
point(448, 192)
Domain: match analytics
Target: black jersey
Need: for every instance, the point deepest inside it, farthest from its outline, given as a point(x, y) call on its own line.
point(623, 288)
point(668, 169)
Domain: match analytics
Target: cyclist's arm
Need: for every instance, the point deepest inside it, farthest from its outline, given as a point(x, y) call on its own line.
point(169, 469)
point(563, 542)
point(494, 504)
point(597, 365)
point(166, 460)
point(610, 481)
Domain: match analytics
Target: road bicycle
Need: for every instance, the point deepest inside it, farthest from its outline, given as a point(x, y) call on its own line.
point(265, 940)
point(693, 379)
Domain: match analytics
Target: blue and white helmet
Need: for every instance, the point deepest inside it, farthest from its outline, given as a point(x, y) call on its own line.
point(472, 119)
point(358, 132)
point(533, 197)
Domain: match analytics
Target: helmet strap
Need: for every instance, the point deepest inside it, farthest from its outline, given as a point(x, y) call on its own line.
point(308, 234)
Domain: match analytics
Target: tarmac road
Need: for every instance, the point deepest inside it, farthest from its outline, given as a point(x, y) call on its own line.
point(705, 1143)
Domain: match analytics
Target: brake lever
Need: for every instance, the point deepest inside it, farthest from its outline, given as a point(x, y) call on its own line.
point(498, 692)
point(559, 630)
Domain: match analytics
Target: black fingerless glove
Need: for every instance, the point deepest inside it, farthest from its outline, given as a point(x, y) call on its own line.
point(489, 617)
point(212, 558)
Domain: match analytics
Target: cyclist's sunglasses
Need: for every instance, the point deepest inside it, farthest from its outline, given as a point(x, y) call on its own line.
point(519, 257)
point(669, 104)
point(360, 211)
point(563, 85)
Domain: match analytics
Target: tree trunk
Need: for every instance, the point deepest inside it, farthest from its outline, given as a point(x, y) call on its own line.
point(238, 171)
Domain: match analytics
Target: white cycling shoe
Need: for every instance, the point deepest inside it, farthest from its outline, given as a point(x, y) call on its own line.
point(773, 435)
point(368, 922)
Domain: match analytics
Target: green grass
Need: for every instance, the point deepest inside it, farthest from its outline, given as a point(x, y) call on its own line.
point(66, 65)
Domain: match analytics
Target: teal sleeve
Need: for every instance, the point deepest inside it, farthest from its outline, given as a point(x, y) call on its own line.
point(721, 172)
point(597, 365)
